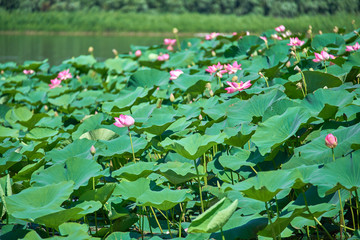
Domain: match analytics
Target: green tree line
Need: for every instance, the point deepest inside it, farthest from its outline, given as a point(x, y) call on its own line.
point(275, 8)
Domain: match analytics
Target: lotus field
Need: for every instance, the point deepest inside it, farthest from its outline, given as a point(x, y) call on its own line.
point(222, 137)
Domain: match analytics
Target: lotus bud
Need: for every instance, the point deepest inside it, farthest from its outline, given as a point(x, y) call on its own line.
point(172, 97)
point(310, 27)
point(46, 108)
point(138, 53)
point(175, 30)
point(211, 93)
point(311, 69)
point(292, 53)
point(213, 53)
point(305, 50)
point(296, 68)
point(92, 150)
point(336, 29)
point(330, 141)
point(288, 64)
point(353, 22)
point(189, 44)
point(200, 117)
point(2, 72)
point(261, 74)
point(208, 86)
point(234, 78)
point(115, 52)
point(91, 49)
point(320, 32)
point(56, 114)
point(325, 87)
point(299, 85)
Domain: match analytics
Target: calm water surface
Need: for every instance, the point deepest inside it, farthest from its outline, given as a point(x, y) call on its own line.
point(55, 48)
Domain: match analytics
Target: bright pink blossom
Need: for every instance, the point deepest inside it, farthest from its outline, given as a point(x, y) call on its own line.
point(28, 72)
point(233, 68)
point(295, 42)
point(263, 38)
point(214, 68)
point(330, 141)
point(212, 35)
point(234, 86)
point(275, 36)
point(323, 56)
point(124, 121)
point(138, 53)
point(55, 83)
point(353, 48)
point(220, 73)
point(280, 28)
point(163, 57)
point(168, 41)
point(174, 74)
point(63, 75)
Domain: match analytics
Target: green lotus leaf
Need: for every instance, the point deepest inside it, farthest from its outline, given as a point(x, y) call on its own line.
point(275, 130)
point(315, 80)
point(36, 202)
point(119, 65)
point(248, 43)
point(9, 159)
point(79, 148)
point(75, 231)
point(214, 218)
point(100, 194)
point(82, 60)
point(236, 161)
point(73, 169)
point(164, 199)
point(159, 120)
point(38, 133)
point(26, 172)
point(8, 132)
point(134, 171)
point(133, 190)
point(21, 114)
point(180, 59)
point(193, 146)
point(194, 84)
point(245, 111)
point(120, 235)
point(148, 78)
point(316, 152)
point(121, 145)
point(327, 39)
point(177, 172)
point(125, 100)
point(265, 185)
point(99, 134)
point(343, 173)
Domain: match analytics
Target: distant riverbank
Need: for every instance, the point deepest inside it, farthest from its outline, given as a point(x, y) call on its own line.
point(113, 23)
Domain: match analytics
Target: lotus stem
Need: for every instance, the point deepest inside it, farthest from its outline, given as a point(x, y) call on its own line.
point(352, 211)
point(157, 221)
point(205, 170)
point(357, 207)
point(304, 82)
point(222, 234)
point(200, 192)
point(269, 218)
point(308, 209)
point(132, 148)
point(167, 221)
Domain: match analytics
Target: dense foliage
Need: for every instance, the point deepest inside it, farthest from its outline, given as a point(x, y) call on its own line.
point(278, 8)
point(233, 137)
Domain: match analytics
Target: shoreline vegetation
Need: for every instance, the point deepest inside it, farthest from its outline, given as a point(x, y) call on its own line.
point(138, 24)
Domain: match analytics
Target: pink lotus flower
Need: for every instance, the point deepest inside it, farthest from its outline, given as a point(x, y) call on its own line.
point(280, 28)
point(124, 121)
point(55, 83)
point(28, 72)
point(330, 141)
point(168, 41)
point(234, 33)
point(234, 86)
point(233, 68)
point(220, 73)
point(349, 48)
point(214, 68)
point(63, 75)
point(212, 35)
point(174, 74)
point(295, 42)
point(163, 57)
point(92, 150)
point(263, 38)
point(275, 36)
point(323, 56)
point(138, 53)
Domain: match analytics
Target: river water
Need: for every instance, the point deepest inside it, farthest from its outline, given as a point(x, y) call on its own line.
point(56, 48)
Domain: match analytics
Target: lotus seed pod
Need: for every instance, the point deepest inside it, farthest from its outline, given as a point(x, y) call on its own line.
point(200, 117)
point(91, 49)
point(213, 53)
point(299, 85)
point(234, 78)
point(175, 30)
point(115, 52)
point(208, 86)
point(189, 44)
point(296, 68)
point(288, 64)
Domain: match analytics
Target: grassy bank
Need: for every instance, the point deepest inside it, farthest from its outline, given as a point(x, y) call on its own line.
point(120, 22)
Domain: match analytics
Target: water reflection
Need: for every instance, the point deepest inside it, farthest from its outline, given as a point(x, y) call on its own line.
point(19, 48)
